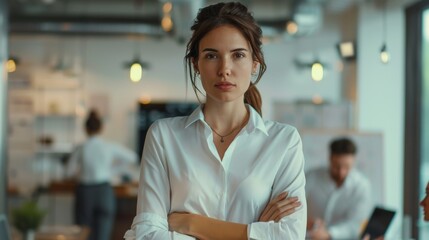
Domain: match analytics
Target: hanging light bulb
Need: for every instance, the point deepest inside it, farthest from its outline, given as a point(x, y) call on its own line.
point(167, 23)
point(136, 69)
point(11, 65)
point(167, 7)
point(317, 71)
point(136, 72)
point(384, 54)
point(291, 27)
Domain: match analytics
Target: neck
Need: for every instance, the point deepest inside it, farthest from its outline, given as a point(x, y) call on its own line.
point(224, 118)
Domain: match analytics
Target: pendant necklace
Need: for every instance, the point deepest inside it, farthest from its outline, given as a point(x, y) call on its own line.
point(222, 140)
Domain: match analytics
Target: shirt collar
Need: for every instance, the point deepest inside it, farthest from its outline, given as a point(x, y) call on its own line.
point(196, 115)
point(255, 120)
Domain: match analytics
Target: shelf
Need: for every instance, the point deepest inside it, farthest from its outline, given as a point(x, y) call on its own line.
point(52, 115)
point(58, 149)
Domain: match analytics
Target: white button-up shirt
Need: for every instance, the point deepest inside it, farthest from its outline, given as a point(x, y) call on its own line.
point(94, 161)
point(181, 171)
point(343, 209)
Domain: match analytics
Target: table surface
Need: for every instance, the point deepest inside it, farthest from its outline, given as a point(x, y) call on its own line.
point(71, 232)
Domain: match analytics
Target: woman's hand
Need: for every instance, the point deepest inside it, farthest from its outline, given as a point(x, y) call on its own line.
point(180, 222)
point(279, 207)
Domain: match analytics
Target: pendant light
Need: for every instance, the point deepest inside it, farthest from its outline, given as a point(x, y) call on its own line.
point(317, 71)
point(12, 62)
point(136, 66)
point(167, 22)
point(136, 69)
point(384, 54)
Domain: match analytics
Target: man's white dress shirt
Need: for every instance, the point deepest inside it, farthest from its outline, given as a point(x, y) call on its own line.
point(93, 162)
point(181, 171)
point(343, 209)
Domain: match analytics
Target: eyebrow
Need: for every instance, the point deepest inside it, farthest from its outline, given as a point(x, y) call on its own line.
point(233, 50)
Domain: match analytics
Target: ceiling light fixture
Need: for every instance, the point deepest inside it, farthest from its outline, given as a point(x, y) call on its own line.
point(317, 71)
point(12, 62)
point(136, 72)
point(137, 69)
point(384, 54)
point(136, 66)
point(347, 50)
point(167, 22)
point(291, 27)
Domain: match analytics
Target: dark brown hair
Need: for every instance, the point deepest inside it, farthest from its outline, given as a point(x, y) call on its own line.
point(93, 122)
point(343, 146)
point(237, 15)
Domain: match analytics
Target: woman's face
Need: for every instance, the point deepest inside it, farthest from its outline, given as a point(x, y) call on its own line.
point(425, 204)
point(225, 64)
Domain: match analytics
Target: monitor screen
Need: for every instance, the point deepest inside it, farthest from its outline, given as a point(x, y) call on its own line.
point(149, 113)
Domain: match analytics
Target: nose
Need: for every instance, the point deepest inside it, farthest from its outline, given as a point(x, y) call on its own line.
point(225, 67)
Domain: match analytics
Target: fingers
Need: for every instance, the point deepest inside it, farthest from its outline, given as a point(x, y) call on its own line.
point(279, 208)
point(285, 211)
point(264, 215)
point(268, 211)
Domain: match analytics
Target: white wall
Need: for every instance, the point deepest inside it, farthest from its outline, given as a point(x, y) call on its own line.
point(100, 61)
point(381, 93)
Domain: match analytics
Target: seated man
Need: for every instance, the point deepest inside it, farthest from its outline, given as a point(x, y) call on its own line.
point(338, 196)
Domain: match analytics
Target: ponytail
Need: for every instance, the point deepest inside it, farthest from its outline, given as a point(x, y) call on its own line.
point(253, 97)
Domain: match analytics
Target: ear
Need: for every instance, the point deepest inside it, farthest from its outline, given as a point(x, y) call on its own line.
point(255, 66)
point(195, 64)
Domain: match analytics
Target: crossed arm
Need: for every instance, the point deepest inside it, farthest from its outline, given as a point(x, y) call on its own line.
point(202, 227)
point(154, 203)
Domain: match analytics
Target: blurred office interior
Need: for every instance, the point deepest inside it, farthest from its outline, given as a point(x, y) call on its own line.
point(335, 68)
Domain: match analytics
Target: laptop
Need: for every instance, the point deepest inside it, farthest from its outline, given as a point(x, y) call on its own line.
point(378, 222)
point(4, 228)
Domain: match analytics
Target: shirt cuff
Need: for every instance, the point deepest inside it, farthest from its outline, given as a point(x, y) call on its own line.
point(258, 230)
point(341, 233)
point(147, 224)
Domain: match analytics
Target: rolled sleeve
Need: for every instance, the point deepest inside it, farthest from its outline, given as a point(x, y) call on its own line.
point(149, 226)
point(287, 229)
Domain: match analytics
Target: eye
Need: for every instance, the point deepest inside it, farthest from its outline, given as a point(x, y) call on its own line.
point(239, 55)
point(210, 56)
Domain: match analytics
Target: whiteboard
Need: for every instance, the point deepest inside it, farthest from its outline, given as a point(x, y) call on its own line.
point(369, 157)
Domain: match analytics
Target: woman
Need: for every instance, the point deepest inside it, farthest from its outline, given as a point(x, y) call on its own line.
point(92, 164)
point(222, 172)
point(425, 204)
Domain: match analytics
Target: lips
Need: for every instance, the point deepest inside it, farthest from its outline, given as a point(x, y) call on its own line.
point(224, 85)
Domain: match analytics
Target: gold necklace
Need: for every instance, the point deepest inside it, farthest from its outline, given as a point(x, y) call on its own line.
point(233, 130)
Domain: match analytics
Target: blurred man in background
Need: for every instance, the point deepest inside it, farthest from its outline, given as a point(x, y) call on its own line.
point(338, 196)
